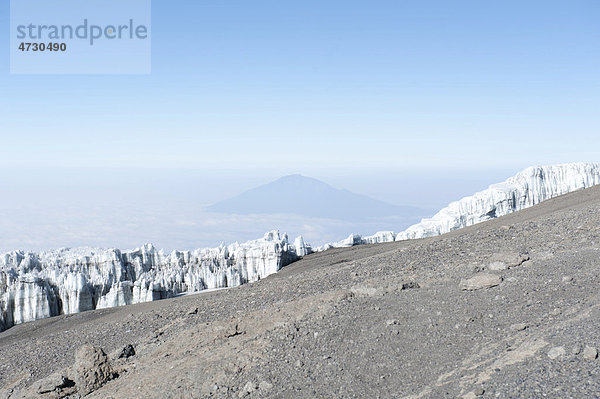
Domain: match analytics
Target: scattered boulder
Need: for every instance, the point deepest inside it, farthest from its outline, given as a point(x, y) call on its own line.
point(265, 386)
point(127, 352)
point(410, 285)
point(506, 260)
point(248, 389)
point(567, 279)
point(365, 291)
point(480, 281)
point(555, 312)
point(556, 352)
point(233, 330)
point(55, 385)
point(497, 266)
point(590, 353)
point(518, 327)
point(92, 369)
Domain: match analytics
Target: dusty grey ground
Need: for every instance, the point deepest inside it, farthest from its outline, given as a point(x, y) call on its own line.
point(398, 320)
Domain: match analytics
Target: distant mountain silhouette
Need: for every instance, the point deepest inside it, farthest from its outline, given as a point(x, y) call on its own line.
point(300, 195)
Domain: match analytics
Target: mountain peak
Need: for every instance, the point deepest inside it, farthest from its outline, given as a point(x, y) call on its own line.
point(307, 196)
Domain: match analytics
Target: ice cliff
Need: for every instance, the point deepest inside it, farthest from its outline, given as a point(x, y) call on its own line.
point(39, 285)
point(527, 188)
point(357, 239)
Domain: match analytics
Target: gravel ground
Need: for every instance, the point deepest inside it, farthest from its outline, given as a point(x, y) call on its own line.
point(397, 320)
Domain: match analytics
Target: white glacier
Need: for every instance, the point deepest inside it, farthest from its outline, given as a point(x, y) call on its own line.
point(35, 286)
point(357, 239)
point(528, 188)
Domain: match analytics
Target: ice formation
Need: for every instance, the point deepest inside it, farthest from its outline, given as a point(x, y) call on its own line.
point(527, 188)
point(35, 286)
point(356, 239)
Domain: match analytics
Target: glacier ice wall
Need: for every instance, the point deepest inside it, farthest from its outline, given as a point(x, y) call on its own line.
point(527, 188)
point(38, 285)
point(356, 239)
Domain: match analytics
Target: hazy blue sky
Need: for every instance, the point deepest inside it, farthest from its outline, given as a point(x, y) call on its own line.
point(412, 102)
point(326, 84)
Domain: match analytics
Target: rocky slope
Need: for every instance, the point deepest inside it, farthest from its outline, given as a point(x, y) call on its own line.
point(35, 286)
point(508, 308)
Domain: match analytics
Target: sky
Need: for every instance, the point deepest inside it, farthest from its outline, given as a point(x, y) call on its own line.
point(410, 102)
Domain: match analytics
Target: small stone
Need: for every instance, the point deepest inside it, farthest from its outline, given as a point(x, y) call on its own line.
point(127, 352)
point(391, 322)
point(497, 266)
point(214, 388)
point(265, 386)
point(479, 391)
point(590, 353)
point(480, 281)
point(248, 389)
point(567, 279)
point(556, 352)
point(476, 268)
point(193, 311)
point(518, 327)
point(410, 285)
point(576, 350)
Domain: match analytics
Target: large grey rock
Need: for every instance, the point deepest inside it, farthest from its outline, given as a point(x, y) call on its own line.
point(92, 369)
point(480, 281)
point(56, 385)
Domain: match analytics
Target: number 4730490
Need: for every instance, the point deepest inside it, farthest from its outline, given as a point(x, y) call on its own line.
point(43, 47)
